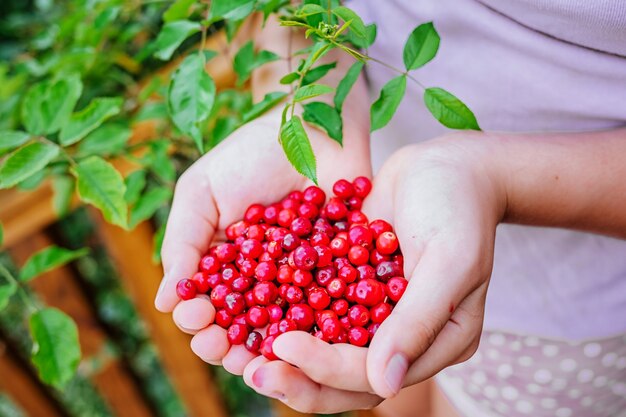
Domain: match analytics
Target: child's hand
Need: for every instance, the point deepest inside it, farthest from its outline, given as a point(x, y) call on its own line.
point(445, 206)
point(249, 167)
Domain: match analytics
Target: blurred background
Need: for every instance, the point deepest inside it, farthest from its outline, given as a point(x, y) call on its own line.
point(134, 361)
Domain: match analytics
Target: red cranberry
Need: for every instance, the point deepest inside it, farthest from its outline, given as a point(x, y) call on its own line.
point(324, 255)
point(345, 322)
point(322, 226)
point(294, 294)
point(308, 210)
point(302, 278)
point(369, 292)
point(279, 234)
point(266, 271)
point(270, 215)
point(386, 270)
point(379, 226)
point(237, 334)
point(249, 297)
point(301, 226)
point(290, 204)
point(340, 307)
point(305, 257)
point(314, 195)
point(275, 249)
point(336, 287)
point(341, 262)
point(357, 217)
point(324, 275)
point(286, 325)
point(285, 217)
point(319, 239)
point(186, 289)
point(226, 252)
point(362, 186)
point(264, 292)
point(210, 264)
point(257, 317)
point(302, 315)
point(358, 315)
point(290, 242)
point(376, 257)
point(343, 189)
point(223, 319)
point(218, 295)
point(256, 232)
point(253, 342)
point(360, 235)
point(358, 336)
point(295, 195)
point(241, 284)
point(355, 203)
point(275, 312)
point(272, 330)
point(240, 319)
point(372, 329)
point(322, 315)
point(331, 328)
point(358, 255)
point(229, 273)
point(237, 229)
point(350, 293)
point(247, 267)
point(201, 281)
point(254, 214)
point(395, 288)
point(340, 227)
point(366, 272)
point(234, 303)
point(336, 209)
point(319, 298)
point(348, 274)
point(251, 248)
point(387, 243)
point(380, 312)
point(266, 348)
point(284, 274)
point(214, 279)
point(339, 247)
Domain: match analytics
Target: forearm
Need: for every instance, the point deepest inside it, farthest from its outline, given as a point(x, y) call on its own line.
point(572, 180)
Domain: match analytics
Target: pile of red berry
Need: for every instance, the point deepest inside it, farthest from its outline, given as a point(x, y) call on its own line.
point(302, 265)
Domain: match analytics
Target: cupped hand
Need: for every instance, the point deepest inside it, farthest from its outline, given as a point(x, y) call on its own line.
point(444, 202)
point(249, 167)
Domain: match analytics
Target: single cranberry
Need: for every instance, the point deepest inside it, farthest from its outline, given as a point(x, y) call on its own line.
point(272, 330)
point(324, 255)
point(214, 279)
point(360, 235)
point(362, 186)
point(286, 216)
point(201, 281)
point(369, 292)
point(284, 274)
point(376, 257)
point(341, 262)
point(239, 241)
point(266, 271)
point(345, 322)
point(218, 295)
point(350, 293)
point(387, 243)
point(257, 316)
point(251, 248)
point(366, 272)
point(290, 241)
point(357, 217)
point(305, 257)
point(380, 312)
point(302, 315)
point(229, 273)
point(355, 203)
point(319, 298)
point(301, 226)
point(240, 319)
point(241, 284)
point(275, 312)
point(314, 195)
point(186, 289)
point(336, 287)
point(358, 255)
point(278, 234)
point(343, 189)
point(275, 249)
point(295, 195)
point(256, 232)
point(331, 328)
point(254, 214)
point(223, 319)
point(290, 204)
point(234, 303)
point(339, 247)
point(264, 292)
point(358, 315)
point(379, 226)
point(322, 315)
point(336, 209)
point(294, 294)
point(320, 239)
point(282, 290)
point(358, 336)
point(372, 329)
point(226, 252)
point(340, 307)
point(386, 270)
point(209, 264)
point(247, 267)
point(322, 226)
point(395, 288)
point(302, 278)
point(236, 229)
point(270, 214)
point(308, 211)
point(324, 275)
point(286, 325)
point(237, 334)
point(340, 227)
point(253, 342)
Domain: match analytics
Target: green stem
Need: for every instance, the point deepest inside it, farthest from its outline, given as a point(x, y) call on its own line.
point(29, 303)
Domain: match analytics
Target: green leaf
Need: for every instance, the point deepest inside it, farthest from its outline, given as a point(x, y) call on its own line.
point(178, 10)
point(224, 126)
point(385, 106)
point(309, 10)
point(230, 9)
point(135, 183)
point(326, 117)
point(152, 111)
point(33, 181)
point(318, 51)
point(312, 90)
point(346, 83)
point(63, 187)
point(172, 35)
point(367, 41)
point(421, 47)
point(1, 234)
point(26, 161)
point(289, 78)
point(47, 105)
point(269, 101)
point(89, 118)
point(101, 185)
point(148, 204)
point(190, 97)
point(347, 15)
point(11, 139)
point(246, 61)
point(297, 147)
point(108, 139)
point(7, 289)
point(449, 110)
point(48, 259)
point(318, 72)
point(56, 349)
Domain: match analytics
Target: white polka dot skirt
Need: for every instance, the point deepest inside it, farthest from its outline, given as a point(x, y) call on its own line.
point(512, 375)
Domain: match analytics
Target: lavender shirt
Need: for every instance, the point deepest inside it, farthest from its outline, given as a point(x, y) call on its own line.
point(523, 66)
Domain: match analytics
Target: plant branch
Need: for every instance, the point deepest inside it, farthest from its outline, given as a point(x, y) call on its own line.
point(29, 303)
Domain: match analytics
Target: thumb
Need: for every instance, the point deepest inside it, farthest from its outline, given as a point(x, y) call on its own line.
point(415, 322)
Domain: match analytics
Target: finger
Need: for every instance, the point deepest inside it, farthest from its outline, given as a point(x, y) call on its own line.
point(193, 315)
point(343, 364)
point(210, 344)
point(236, 359)
point(434, 290)
point(190, 228)
point(278, 379)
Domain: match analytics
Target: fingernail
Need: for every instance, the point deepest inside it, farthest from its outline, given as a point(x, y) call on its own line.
point(257, 378)
point(395, 371)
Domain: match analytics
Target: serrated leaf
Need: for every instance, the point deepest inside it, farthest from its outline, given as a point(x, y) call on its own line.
point(289, 78)
point(348, 15)
point(48, 259)
point(172, 35)
point(88, 119)
point(297, 147)
point(312, 90)
point(385, 106)
point(191, 96)
point(326, 117)
point(309, 10)
point(135, 183)
point(421, 47)
point(449, 110)
point(318, 72)
point(148, 204)
point(47, 105)
point(56, 349)
point(230, 9)
point(246, 61)
point(101, 185)
point(178, 10)
point(108, 139)
point(26, 161)
point(346, 83)
point(63, 187)
point(269, 101)
point(11, 139)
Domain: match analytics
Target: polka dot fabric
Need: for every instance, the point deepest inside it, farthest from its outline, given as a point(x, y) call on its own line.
point(515, 376)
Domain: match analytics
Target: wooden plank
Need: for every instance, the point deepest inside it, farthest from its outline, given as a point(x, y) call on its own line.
point(131, 253)
point(59, 288)
point(20, 385)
